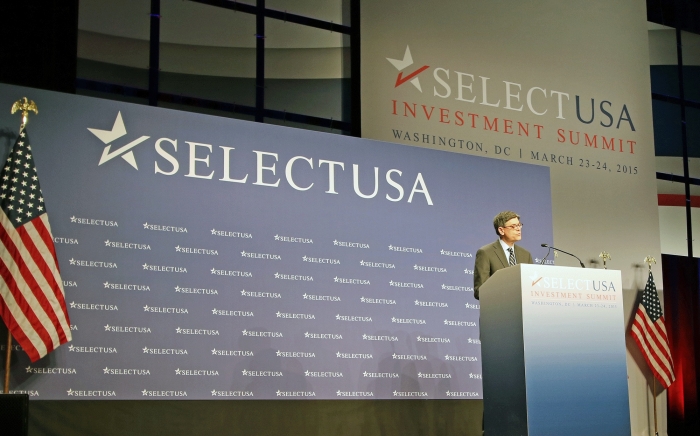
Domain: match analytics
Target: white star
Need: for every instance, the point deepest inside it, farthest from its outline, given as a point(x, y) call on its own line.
point(145, 349)
point(415, 266)
point(337, 393)
point(213, 311)
point(145, 308)
point(70, 392)
point(393, 356)
point(244, 372)
point(145, 266)
point(213, 351)
point(337, 354)
point(106, 370)
point(144, 392)
point(178, 329)
point(243, 253)
point(304, 258)
point(72, 261)
point(278, 314)
point(277, 237)
point(279, 393)
point(177, 371)
point(177, 248)
point(213, 392)
point(145, 225)
point(107, 242)
point(306, 297)
point(306, 335)
point(335, 279)
point(29, 369)
point(277, 275)
point(243, 292)
point(213, 231)
point(177, 289)
point(279, 353)
point(213, 270)
point(107, 327)
point(306, 373)
point(71, 347)
point(362, 299)
point(364, 374)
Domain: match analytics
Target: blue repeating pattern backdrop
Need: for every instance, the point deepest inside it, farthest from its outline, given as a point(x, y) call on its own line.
point(209, 258)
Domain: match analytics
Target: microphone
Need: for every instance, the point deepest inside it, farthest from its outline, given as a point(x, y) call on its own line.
point(565, 252)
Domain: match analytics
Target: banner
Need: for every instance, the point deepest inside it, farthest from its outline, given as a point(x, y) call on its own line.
point(211, 258)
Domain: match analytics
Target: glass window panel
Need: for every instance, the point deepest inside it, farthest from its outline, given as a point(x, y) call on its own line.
point(326, 10)
point(692, 117)
point(667, 128)
point(672, 220)
point(208, 53)
point(305, 71)
point(663, 59)
point(691, 65)
point(113, 47)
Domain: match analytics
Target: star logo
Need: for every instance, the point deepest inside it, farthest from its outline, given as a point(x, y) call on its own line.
point(401, 65)
point(71, 347)
point(213, 392)
point(106, 370)
point(304, 258)
point(243, 253)
point(364, 374)
point(393, 319)
point(29, 369)
point(337, 354)
point(335, 242)
point(245, 332)
point(145, 266)
point(145, 308)
point(245, 372)
point(447, 356)
point(279, 393)
point(178, 329)
point(243, 292)
point(446, 322)
point(107, 327)
point(415, 266)
point(391, 283)
point(306, 373)
point(177, 371)
point(72, 261)
point(395, 393)
point(420, 375)
point(145, 225)
point(107, 136)
point(213, 231)
point(73, 219)
point(393, 356)
point(335, 279)
point(362, 262)
point(362, 299)
point(72, 304)
point(144, 392)
point(443, 286)
point(106, 284)
point(70, 392)
point(337, 316)
point(177, 248)
point(337, 394)
point(442, 251)
point(306, 335)
point(145, 349)
point(306, 297)
point(278, 314)
point(213, 311)
point(277, 275)
point(277, 237)
point(418, 338)
point(279, 353)
point(364, 336)
point(213, 352)
point(213, 270)
point(391, 247)
point(107, 243)
point(177, 289)
point(416, 302)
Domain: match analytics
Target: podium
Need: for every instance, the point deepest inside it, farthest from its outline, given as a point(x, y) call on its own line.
point(553, 352)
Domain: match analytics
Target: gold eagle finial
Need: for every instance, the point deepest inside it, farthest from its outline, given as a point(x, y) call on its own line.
point(24, 105)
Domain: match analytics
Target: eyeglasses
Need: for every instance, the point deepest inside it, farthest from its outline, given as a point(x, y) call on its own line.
point(514, 226)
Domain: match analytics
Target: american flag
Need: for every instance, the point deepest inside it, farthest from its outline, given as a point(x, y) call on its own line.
point(32, 301)
point(649, 332)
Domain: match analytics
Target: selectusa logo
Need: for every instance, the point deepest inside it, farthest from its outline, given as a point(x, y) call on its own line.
point(107, 136)
point(402, 64)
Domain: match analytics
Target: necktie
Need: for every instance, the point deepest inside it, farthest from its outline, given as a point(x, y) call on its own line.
point(511, 258)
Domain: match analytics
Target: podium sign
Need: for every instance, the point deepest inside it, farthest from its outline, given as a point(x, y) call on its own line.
point(553, 352)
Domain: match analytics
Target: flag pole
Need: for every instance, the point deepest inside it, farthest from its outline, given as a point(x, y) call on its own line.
point(24, 105)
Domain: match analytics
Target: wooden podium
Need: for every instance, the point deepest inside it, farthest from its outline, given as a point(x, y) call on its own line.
point(553, 352)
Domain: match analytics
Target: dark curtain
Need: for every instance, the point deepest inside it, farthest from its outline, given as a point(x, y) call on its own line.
point(682, 314)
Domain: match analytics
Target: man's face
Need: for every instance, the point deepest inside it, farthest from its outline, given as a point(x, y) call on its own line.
point(511, 231)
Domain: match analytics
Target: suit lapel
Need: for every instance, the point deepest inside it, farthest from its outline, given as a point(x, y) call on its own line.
point(500, 254)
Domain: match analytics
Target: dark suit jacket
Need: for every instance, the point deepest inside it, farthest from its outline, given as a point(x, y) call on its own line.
point(490, 258)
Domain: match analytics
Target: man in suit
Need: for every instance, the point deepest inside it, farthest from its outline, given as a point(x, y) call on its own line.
point(502, 253)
